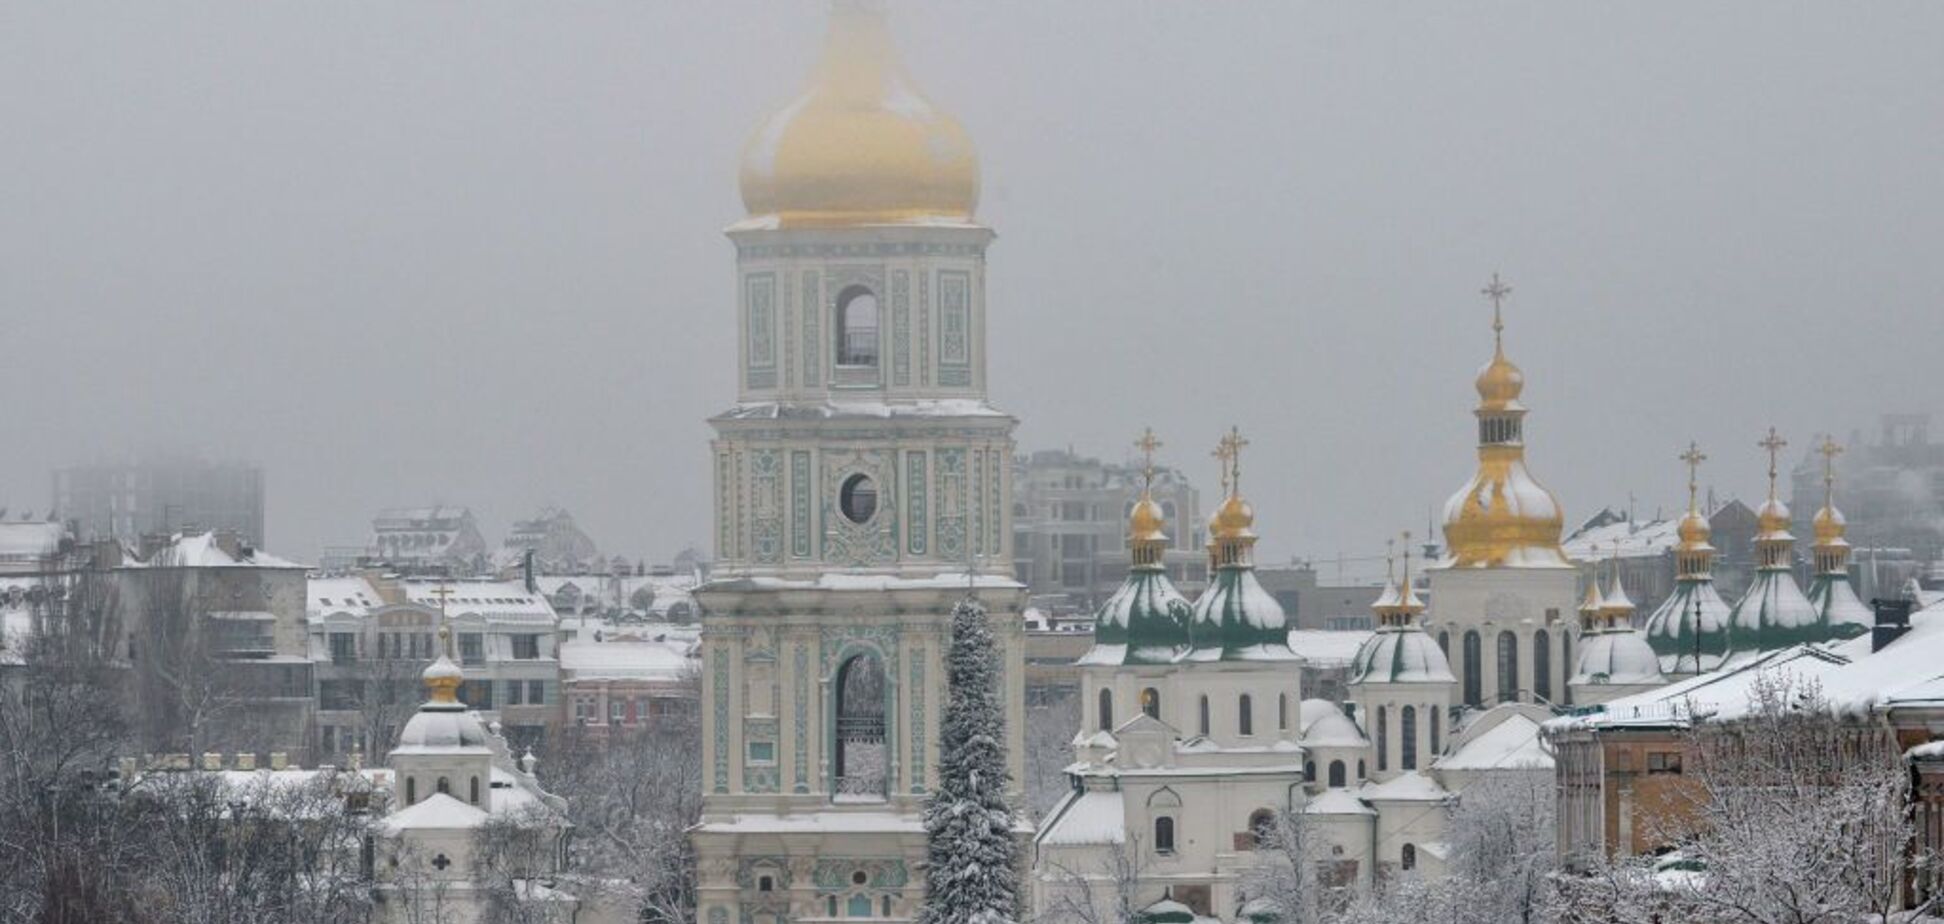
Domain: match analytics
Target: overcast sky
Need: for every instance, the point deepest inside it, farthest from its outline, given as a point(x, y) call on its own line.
point(471, 252)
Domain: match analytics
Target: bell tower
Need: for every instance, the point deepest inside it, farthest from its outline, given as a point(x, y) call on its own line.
point(862, 488)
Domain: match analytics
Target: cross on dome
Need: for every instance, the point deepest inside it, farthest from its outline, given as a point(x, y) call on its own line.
point(1774, 444)
point(1829, 450)
point(1693, 457)
point(1496, 290)
point(1230, 452)
point(1147, 444)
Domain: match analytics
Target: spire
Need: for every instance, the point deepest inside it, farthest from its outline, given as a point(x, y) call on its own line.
point(1694, 556)
point(1147, 538)
point(442, 677)
point(1774, 544)
point(1232, 530)
point(1616, 610)
point(1502, 517)
point(1831, 549)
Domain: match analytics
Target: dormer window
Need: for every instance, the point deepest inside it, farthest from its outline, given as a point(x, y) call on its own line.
point(857, 327)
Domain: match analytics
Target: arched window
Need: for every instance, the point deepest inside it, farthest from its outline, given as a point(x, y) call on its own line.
point(445, 785)
point(1444, 644)
point(1309, 771)
point(1245, 715)
point(1474, 669)
point(411, 790)
point(1106, 709)
point(1282, 711)
point(1434, 731)
point(1407, 745)
point(1383, 739)
point(1164, 834)
point(1508, 667)
point(885, 903)
point(857, 498)
point(1151, 703)
point(1360, 769)
point(1262, 827)
point(475, 790)
point(830, 906)
point(1409, 856)
point(857, 327)
point(1337, 771)
point(862, 758)
point(1542, 665)
point(1204, 714)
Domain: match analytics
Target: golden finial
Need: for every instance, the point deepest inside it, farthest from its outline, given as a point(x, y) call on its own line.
point(1773, 443)
point(1147, 444)
point(1407, 558)
point(1223, 453)
point(1230, 452)
point(1693, 457)
point(1829, 449)
point(1390, 561)
point(1497, 290)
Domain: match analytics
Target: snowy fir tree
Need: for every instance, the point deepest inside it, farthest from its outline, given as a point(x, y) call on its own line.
point(971, 872)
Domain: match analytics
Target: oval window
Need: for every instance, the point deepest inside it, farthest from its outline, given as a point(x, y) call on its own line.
point(858, 498)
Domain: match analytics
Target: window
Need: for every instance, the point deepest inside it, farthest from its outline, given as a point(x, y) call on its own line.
point(1282, 711)
point(1204, 714)
point(762, 752)
point(765, 884)
point(472, 648)
point(1337, 772)
point(1474, 670)
point(1151, 703)
point(858, 498)
point(344, 648)
point(1383, 739)
point(477, 693)
point(445, 785)
point(515, 691)
point(1409, 857)
point(1309, 771)
point(1360, 769)
point(526, 647)
point(1262, 828)
point(1245, 715)
point(1434, 731)
point(475, 790)
point(1508, 667)
point(584, 710)
point(1407, 749)
point(1444, 644)
point(536, 692)
point(830, 906)
point(411, 789)
point(617, 711)
point(858, 741)
point(1566, 656)
point(857, 327)
point(885, 903)
point(1164, 835)
point(1106, 710)
point(1542, 665)
point(859, 906)
point(1664, 762)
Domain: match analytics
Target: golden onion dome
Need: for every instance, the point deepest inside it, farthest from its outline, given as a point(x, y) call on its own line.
point(1499, 384)
point(1145, 523)
point(861, 145)
point(1829, 525)
point(1235, 519)
point(1772, 517)
point(1694, 530)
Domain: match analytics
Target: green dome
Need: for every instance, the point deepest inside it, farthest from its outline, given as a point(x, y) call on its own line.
point(1672, 629)
point(1237, 620)
point(1144, 622)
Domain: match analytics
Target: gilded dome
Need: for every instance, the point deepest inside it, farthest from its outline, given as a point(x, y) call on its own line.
point(1829, 525)
point(1145, 523)
point(1694, 530)
point(1235, 519)
point(1772, 519)
point(861, 145)
point(1503, 517)
point(1499, 384)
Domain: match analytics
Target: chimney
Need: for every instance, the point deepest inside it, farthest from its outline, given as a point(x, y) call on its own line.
point(526, 571)
point(246, 761)
point(279, 760)
point(1892, 621)
point(212, 761)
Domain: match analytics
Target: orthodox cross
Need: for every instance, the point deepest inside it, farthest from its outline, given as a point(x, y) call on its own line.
point(445, 630)
point(1390, 560)
point(441, 862)
point(1406, 588)
point(1693, 457)
point(1147, 444)
point(1496, 291)
point(1223, 453)
point(1773, 443)
point(1830, 449)
point(1230, 452)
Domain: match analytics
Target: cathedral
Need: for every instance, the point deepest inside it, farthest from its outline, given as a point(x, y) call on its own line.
point(862, 488)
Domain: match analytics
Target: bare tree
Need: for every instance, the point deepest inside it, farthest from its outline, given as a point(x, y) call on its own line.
point(513, 870)
point(1107, 891)
point(1048, 740)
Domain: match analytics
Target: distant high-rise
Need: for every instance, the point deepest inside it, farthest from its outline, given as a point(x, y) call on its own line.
point(125, 500)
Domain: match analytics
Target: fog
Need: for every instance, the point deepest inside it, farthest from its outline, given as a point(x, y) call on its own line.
point(471, 252)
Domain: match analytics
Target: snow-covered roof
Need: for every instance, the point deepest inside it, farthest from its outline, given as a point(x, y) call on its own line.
point(863, 407)
point(351, 594)
point(1617, 656)
point(1512, 743)
point(437, 811)
point(870, 582)
point(1638, 539)
point(623, 660)
point(496, 600)
point(1411, 786)
point(1088, 817)
point(29, 542)
point(833, 822)
point(1336, 802)
point(1325, 726)
point(666, 591)
point(201, 550)
point(1327, 647)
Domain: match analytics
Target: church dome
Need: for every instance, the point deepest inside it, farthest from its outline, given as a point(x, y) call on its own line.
point(1772, 519)
point(1829, 525)
point(1694, 530)
point(1622, 657)
point(1145, 523)
point(1499, 384)
point(442, 727)
point(1235, 519)
point(861, 145)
